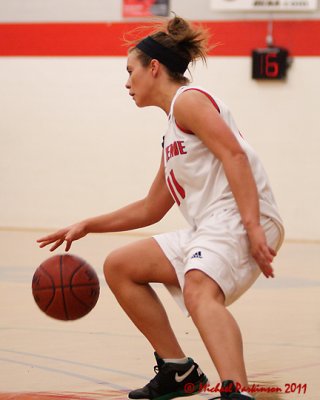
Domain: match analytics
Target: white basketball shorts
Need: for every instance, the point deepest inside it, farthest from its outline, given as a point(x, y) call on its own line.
point(220, 248)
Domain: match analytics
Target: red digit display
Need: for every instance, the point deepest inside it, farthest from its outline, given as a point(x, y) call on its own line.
point(269, 63)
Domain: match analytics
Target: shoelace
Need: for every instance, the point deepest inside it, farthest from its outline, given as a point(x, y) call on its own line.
point(153, 383)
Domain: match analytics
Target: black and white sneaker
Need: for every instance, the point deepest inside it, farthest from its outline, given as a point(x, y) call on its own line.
point(229, 392)
point(172, 380)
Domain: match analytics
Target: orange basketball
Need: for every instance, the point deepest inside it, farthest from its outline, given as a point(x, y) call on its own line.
point(65, 287)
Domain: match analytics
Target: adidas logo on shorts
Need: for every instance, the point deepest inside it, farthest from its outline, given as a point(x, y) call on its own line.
point(197, 255)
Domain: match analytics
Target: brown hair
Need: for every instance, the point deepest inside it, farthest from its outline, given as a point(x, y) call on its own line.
point(180, 37)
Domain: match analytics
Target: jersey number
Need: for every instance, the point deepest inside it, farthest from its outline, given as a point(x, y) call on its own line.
point(175, 188)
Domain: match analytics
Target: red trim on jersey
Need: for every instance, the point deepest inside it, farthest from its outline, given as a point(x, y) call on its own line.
point(184, 130)
point(212, 101)
point(209, 97)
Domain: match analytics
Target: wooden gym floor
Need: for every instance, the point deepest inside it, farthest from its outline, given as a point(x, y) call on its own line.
point(103, 356)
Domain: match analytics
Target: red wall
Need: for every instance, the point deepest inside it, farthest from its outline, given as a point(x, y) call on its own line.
point(235, 38)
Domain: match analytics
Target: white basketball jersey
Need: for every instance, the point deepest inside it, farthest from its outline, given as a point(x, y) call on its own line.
point(196, 178)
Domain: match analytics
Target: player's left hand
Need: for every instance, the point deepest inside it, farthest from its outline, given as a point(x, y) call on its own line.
point(261, 252)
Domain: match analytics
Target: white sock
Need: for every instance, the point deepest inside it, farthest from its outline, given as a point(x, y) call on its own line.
point(183, 360)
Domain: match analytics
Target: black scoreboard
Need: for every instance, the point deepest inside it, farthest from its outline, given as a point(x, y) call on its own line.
point(269, 63)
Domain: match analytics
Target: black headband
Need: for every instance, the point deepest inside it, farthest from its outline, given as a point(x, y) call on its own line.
point(166, 56)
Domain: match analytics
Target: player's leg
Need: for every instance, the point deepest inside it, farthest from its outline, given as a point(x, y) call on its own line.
point(219, 331)
point(128, 272)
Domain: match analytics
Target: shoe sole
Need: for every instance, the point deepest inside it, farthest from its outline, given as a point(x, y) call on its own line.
point(180, 393)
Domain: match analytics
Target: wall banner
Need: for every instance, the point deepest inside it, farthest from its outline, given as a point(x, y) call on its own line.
point(145, 8)
point(264, 5)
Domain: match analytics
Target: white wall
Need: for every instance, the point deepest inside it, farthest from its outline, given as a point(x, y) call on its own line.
point(111, 10)
point(73, 144)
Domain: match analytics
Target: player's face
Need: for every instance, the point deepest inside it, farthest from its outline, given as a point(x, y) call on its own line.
point(139, 81)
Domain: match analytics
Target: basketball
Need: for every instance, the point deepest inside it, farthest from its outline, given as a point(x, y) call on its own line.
point(65, 287)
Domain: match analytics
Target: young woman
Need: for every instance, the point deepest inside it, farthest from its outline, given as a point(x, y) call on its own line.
point(222, 190)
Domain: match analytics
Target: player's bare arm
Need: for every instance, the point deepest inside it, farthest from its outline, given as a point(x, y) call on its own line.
point(194, 112)
point(136, 215)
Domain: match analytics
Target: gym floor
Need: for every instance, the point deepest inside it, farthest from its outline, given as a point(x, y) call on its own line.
point(103, 356)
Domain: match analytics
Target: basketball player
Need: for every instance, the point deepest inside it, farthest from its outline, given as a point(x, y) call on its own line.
point(220, 186)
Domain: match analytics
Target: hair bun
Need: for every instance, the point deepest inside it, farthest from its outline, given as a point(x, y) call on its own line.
point(189, 41)
point(178, 28)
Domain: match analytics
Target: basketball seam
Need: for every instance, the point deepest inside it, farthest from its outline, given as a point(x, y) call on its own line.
point(65, 286)
point(83, 285)
point(52, 287)
point(76, 270)
point(79, 300)
point(62, 289)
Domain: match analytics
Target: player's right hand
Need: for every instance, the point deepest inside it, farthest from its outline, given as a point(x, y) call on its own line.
point(68, 235)
point(261, 252)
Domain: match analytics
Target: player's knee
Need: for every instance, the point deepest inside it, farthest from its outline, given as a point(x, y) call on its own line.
point(192, 296)
point(199, 291)
point(193, 290)
point(113, 267)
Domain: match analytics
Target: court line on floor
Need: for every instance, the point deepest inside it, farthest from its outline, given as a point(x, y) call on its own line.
point(62, 395)
point(115, 386)
point(66, 373)
point(302, 346)
point(277, 371)
point(66, 361)
point(137, 336)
